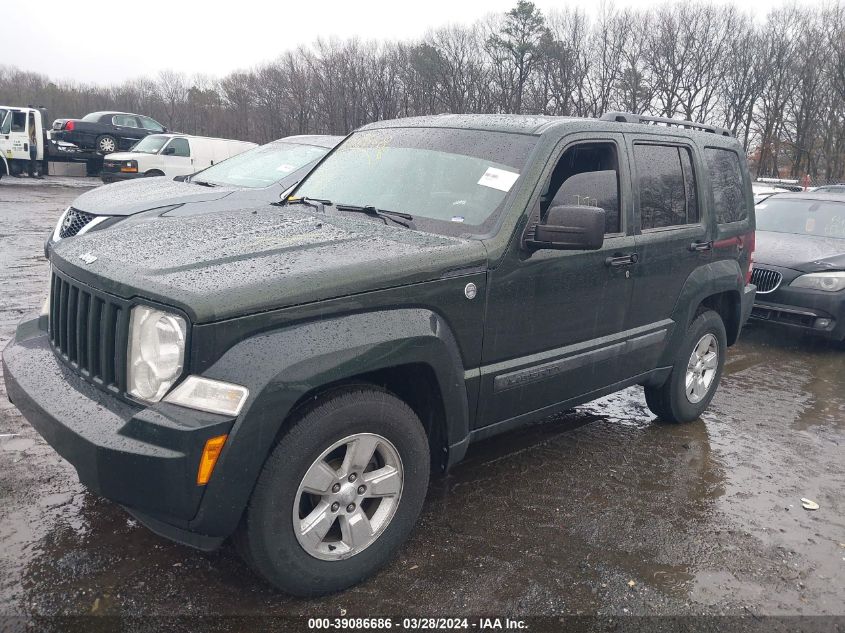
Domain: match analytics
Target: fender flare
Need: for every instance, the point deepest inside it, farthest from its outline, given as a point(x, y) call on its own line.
point(281, 366)
point(713, 278)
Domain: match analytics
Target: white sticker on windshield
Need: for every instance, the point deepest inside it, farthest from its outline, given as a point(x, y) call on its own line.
point(761, 206)
point(498, 179)
point(285, 168)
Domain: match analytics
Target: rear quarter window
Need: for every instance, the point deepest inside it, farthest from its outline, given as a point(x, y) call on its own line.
point(726, 181)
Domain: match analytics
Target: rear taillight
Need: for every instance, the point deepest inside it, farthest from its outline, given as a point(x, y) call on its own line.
point(68, 126)
point(748, 242)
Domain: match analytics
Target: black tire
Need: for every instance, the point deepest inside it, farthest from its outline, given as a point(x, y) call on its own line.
point(266, 539)
point(106, 139)
point(153, 173)
point(669, 402)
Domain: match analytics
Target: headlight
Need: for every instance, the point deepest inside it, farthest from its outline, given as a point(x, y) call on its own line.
point(57, 231)
point(156, 352)
point(129, 167)
point(829, 282)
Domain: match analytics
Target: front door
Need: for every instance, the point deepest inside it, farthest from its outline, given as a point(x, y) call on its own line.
point(177, 157)
point(556, 320)
point(14, 135)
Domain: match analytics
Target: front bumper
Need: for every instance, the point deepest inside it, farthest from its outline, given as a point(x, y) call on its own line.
point(144, 458)
point(119, 176)
point(814, 312)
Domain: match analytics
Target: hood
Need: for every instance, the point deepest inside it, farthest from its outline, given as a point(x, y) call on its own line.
point(805, 253)
point(143, 194)
point(118, 156)
point(231, 264)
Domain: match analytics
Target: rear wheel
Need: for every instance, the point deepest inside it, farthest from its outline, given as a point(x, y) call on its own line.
point(338, 495)
point(695, 373)
point(106, 144)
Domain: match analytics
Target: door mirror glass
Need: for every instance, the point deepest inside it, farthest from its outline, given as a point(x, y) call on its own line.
point(569, 228)
point(169, 151)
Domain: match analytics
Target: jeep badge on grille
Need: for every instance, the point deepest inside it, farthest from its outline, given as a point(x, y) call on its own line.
point(88, 258)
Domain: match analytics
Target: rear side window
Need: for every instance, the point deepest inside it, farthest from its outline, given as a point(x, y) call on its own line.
point(124, 120)
point(149, 124)
point(726, 180)
point(666, 186)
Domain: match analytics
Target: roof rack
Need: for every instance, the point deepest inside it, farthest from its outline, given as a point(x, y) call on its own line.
point(629, 117)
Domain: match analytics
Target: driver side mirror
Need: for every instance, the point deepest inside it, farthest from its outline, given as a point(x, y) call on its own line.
point(572, 228)
point(169, 151)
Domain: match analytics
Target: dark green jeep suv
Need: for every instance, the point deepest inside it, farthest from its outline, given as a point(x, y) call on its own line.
point(289, 375)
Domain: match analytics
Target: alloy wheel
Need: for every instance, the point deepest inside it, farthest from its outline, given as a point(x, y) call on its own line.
point(701, 368)
point(348, 496)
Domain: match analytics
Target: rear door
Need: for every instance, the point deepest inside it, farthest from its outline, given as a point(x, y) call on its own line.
point(673, 235)
point(129, 130)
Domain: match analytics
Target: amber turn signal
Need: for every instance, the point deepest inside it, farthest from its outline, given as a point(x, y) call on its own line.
point(210, 453)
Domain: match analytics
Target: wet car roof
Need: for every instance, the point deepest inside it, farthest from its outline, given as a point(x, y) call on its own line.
point(515, 123)
point(539, 124)
point(810, 195)
point(320, 140)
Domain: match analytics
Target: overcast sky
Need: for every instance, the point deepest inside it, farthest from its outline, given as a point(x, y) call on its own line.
point(107, 42)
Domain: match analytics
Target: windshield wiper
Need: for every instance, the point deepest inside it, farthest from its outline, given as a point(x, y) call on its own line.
point(382, 214)
point(204, 183)
point(314, 203)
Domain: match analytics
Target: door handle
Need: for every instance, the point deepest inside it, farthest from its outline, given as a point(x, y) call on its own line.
point(618, 260)
point(701, 246)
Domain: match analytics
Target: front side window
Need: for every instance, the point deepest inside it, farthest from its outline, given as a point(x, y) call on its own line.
point(151, 144)
point(587, 174)
point(820, 218)
point(726, 180)
point(262, 166)
point(453, 181)
point(18, 121)
point(179, 147)
point(666, 186)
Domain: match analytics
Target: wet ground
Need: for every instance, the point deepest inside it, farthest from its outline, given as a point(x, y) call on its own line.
point(602, 510)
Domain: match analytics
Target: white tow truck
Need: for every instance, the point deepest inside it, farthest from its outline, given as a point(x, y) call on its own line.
point(16, 131)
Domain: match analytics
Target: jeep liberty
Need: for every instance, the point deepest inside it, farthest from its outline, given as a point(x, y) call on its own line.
point(289, 375)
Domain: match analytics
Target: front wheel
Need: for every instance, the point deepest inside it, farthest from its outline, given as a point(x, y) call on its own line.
point(695, 373)
point(338, 495)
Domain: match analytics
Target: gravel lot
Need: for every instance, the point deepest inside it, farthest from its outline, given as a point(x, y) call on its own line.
point(598, 511)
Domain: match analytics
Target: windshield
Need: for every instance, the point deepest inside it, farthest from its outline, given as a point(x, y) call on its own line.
point(457, 180)
point(150, 144)
point(803, 217)
point(261, 166)
point(3, 114)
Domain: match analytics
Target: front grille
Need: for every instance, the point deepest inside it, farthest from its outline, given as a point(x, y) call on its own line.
point(765, 279)
point(111, 167)
point(75, 220)
point(88, 332)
